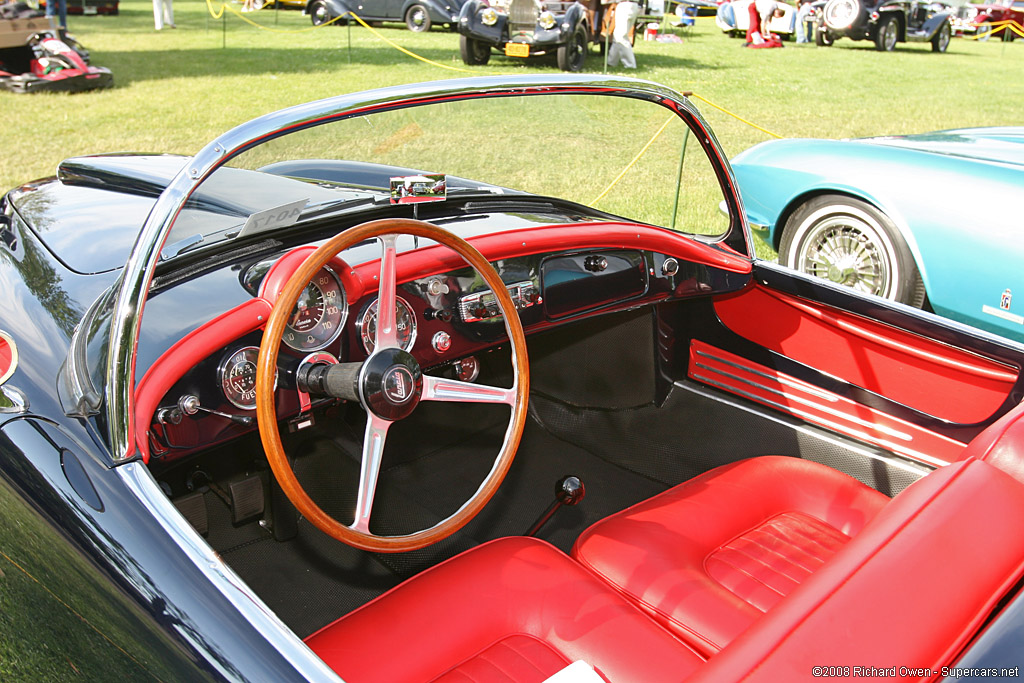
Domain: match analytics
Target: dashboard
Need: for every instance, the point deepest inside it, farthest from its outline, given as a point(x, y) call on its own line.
point(201, 391)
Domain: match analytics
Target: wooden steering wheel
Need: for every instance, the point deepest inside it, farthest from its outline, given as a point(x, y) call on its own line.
point(388, 385)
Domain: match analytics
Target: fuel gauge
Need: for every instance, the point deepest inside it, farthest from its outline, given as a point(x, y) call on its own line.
point(237, 377)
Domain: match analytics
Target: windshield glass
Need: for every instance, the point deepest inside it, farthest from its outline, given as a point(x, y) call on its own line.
point(629, 158)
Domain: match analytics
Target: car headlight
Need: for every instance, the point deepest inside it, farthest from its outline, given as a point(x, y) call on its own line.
point(489, 16)
point(840, 14)
point(546, 20)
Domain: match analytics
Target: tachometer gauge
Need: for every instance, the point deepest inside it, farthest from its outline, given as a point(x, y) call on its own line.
point(319, 313)
point(405, 322)
point(237, 377)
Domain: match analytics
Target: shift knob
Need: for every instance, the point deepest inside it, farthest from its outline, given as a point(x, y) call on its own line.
point(569, 490)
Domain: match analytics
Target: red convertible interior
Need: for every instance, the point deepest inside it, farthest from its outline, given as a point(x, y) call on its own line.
point(744, 570)
point(757, 476)
point(707, 559)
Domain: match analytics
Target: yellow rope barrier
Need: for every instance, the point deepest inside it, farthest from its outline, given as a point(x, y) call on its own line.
point(377, 34)
point(994, 26)
point(407, 52)
point(225, 6)
point(738, 118)
point(635, 159)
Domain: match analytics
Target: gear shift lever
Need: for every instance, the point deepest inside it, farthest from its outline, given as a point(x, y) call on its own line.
point(569, 490)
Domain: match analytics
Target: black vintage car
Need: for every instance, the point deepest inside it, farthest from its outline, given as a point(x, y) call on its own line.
point(528, 28)
point(294, 409)
point(418, 15)
point(886, 22)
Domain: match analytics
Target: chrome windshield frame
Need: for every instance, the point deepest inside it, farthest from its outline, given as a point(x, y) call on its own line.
point(138, 273)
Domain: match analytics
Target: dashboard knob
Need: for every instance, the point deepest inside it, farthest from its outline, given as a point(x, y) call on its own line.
point(595, 263)
point(436, 288)
point(442, 341)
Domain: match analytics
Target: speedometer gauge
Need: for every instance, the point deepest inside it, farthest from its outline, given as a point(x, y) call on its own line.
point(319, 313)
point(405, 324)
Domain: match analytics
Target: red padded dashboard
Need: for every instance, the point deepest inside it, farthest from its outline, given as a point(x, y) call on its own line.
point(359, 280)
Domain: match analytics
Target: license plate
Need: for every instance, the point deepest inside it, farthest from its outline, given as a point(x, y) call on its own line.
point(517, 50)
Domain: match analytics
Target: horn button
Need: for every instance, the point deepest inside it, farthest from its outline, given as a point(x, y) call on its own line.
point(390, 383)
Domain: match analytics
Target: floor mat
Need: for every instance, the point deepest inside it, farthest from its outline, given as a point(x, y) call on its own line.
point(311, 580)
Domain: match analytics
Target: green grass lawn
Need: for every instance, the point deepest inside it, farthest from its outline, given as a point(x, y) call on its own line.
point(177, 89)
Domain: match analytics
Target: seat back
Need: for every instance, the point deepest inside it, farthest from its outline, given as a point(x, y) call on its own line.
point(1001, 444)
point(909, 591)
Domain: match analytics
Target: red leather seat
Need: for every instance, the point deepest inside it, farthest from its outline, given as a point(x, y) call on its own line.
point(709, 557)
point(915, 586)
point(515, 609)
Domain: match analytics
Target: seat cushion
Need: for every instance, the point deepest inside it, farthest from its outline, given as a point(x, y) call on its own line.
point(515, 609)
point(709, 557)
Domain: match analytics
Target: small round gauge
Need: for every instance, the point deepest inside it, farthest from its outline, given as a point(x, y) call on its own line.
point(319, 313)
point(237, 377)
point(405, 322)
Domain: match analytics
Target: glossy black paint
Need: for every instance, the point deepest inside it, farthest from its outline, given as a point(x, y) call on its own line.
point(86, 569)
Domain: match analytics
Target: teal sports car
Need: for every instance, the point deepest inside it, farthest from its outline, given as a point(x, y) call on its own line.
point(931, 220)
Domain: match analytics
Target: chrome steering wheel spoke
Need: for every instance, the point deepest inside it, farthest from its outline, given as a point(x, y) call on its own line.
point(453, 390)
point(387, 332)
point(369, 471)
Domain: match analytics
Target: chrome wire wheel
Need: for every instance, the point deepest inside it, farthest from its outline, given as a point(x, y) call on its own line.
point(849, 242)
point(846, 251)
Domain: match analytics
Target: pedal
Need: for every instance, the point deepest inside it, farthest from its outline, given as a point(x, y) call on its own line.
point(193, 508)
point(247, 500)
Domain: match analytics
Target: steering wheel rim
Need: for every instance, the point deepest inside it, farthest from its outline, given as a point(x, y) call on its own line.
point(437, 389)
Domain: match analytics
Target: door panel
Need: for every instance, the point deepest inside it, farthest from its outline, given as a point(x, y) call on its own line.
point(923, 374)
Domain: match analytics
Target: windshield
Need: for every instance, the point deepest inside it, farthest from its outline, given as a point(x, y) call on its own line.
point(625, 157)
point(605, 145)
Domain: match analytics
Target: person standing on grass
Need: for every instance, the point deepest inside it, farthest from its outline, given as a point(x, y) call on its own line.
point(59, 9)
point(623, 23)
point(803, 24)
point(163, 14)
